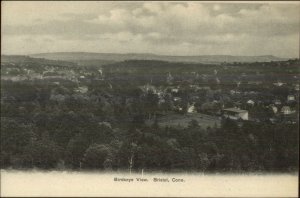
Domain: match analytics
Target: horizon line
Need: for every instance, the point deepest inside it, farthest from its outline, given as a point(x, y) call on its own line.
point(146, 53)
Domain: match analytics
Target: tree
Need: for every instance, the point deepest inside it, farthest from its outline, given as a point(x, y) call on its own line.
point(203, 161)
point(15, 136)
point(43, 154)
point(151, 104)
point(95, 156)
point(193, 124)
point(75, 150)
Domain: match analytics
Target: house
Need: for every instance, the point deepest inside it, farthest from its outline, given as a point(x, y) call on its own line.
point(277, 102)
point(177, 99)
point(290, 98)
point(100, 72)
point(82, 89)
point(250, 102)
point(177, 108)
point(148, 88)
point(235, 113)
point(278, 84)
point(175, 90)
point(191, 108)
point(286, 110)
point(274, 109)
point(107, 124)
point(232, 92)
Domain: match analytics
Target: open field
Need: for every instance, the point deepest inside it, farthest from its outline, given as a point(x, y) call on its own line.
point(62, 183)
point(182, 121)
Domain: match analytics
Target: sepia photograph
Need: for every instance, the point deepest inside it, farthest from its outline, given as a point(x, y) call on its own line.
point(150, 98)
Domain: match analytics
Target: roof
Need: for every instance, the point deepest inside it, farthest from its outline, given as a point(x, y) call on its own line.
point(285, 108)
point(236, 110)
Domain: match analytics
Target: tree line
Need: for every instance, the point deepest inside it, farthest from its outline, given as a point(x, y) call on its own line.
point(72, 141)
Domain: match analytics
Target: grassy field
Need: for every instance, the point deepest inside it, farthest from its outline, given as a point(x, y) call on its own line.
point(182, 121)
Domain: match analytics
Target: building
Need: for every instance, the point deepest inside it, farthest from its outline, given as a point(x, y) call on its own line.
point(274, 109)
point(277, 102)
point(148, 88)
point(82, 89)
point(177, 99)
point(235, 113)
point(232, 92)
point(286, 110)
point(191, 108)
point(278, 84)
point(291, 98)
point(175, 90)
point(250, 102)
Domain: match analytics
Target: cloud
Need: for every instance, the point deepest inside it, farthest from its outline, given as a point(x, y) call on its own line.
point(160, 27)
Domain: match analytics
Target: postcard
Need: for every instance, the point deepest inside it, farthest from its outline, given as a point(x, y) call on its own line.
point(150, 98)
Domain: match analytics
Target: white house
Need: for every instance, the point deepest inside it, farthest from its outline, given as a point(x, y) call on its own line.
point(82, 89)
point(286, 110)
point(100, 72)
point(250, 102)
point(175, 90)
point(146, 88)
point(191, 109)
point(277, 102)
point(278, 84)
point(232, 92)
point(291, 98)
point(235, 113)
point(177, 99)
point(274, 109)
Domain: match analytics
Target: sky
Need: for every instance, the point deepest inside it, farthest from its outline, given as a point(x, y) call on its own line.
point(165, 28)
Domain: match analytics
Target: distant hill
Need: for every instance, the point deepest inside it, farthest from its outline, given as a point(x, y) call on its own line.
point(28, 59)
point(14, 58)
point(111, 57)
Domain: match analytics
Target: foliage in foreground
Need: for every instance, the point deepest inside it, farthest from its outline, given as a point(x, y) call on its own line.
point(250, 147)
